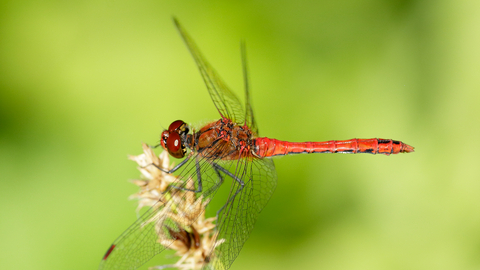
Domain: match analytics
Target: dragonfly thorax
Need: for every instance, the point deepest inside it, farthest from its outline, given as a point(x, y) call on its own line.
point(173, 139)
point(223, 139)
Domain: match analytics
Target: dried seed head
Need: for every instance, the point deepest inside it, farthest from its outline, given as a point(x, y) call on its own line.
point(195, 240)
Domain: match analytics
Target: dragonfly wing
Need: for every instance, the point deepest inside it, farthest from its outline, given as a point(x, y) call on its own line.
point(249, 117)
point(138, 244)
point(227, 104)
point(152, 232)
point(237, 218)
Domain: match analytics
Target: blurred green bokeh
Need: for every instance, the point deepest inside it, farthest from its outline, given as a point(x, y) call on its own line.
point(83, 83)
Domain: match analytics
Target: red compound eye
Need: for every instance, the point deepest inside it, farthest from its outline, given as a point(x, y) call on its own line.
point(163, 139)
point(176, 125)
point(175, 146)
point(171, 139)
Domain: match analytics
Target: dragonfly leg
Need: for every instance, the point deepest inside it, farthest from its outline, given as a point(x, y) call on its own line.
point(199, 178)
point(199, 181)
point(242, 185)
point(174, 169)
point(154, 146)
point(212, 189)
point(219, 183)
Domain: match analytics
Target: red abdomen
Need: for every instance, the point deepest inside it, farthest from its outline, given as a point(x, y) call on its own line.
point(266, 147)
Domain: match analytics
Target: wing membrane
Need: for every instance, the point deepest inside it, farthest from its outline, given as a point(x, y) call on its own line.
point(227, 104)
point(237, 218)
point(249, 117)
point(150, 235)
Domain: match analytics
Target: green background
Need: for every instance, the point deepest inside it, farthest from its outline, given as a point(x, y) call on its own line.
point(84, 83)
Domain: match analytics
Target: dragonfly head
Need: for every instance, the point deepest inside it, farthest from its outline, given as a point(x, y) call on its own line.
point(173, 139)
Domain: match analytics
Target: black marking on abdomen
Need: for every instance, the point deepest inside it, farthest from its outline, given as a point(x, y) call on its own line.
point(368, 151)
point(383, 141)
point(395, 142)
point(345, 152)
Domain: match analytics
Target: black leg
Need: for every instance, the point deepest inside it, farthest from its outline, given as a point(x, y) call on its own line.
point(174, 169)
point(199, 177)
point(215, 187)
point(242, 185)
point(154, 146)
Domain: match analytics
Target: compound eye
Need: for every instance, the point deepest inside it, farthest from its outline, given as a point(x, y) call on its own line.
point(175, 146)
point(178, 126)
point(163, 139)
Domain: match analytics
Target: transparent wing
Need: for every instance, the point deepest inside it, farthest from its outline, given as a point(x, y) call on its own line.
point(152, 232)
point(249, 117)
point(227, 104)
point(138, 244)
point(254, 181)
point(238, 216)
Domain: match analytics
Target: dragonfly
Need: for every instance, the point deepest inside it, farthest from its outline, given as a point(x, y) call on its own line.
point(227, 148)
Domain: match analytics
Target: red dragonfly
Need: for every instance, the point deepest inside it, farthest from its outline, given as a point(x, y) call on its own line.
point(226, 148)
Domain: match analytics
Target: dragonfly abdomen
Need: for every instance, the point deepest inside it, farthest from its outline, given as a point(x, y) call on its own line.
point(266, 147)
